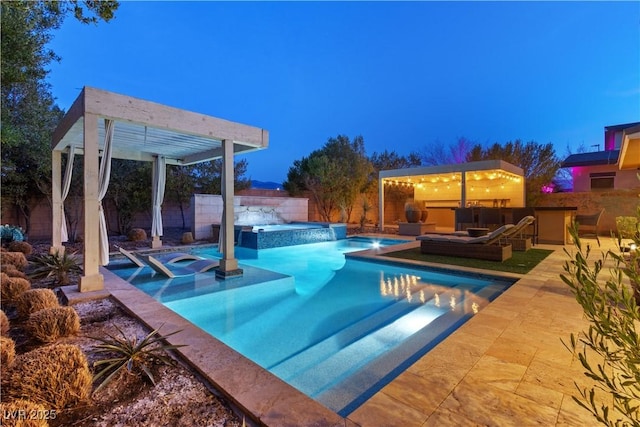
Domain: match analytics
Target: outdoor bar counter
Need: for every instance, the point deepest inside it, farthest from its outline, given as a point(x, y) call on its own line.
point(553, 224)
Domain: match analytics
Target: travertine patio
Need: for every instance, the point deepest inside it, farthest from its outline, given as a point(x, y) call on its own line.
point(505, 366)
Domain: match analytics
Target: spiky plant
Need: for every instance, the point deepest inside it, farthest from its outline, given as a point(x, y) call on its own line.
point(56, 265)
point(130, 353)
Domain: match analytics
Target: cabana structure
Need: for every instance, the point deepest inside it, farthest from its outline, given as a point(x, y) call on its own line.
point(440, 189)
point(105, 125)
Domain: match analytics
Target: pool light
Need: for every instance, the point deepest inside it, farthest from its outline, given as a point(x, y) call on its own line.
point(375, 244)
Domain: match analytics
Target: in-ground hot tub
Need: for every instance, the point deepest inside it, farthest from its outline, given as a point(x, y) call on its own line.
point(297, 233)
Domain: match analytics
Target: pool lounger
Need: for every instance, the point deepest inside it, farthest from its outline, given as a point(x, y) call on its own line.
point(167, 258)
point(485, 247)
point(199, 266)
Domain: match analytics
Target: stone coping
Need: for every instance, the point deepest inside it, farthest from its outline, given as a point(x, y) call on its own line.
point(450, 385)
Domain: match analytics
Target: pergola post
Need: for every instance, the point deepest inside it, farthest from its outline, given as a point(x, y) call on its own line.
point(56, 202)
point(91, 279)
point(463, 190)
point(228, 264)
point(381, 203)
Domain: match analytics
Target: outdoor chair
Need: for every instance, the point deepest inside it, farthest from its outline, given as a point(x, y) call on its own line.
point(200, 266)
point(487, 247)
point(168, 258)
point(588, 225)
point(532, 229)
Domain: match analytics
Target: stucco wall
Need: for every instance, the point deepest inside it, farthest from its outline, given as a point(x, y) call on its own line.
point(624, 179)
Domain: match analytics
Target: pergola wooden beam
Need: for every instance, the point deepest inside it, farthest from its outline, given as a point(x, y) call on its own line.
point(143, 131)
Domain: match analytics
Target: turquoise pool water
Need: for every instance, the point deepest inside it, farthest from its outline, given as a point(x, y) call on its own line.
point(337, 329)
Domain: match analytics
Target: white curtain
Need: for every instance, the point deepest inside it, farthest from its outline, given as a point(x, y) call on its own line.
point(105, 173)
point(159, 179)
point(66, 184)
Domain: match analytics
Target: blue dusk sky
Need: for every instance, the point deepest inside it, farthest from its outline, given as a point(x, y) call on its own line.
point(404, 75)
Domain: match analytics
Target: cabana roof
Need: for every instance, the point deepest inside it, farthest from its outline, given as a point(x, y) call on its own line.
point(486, 167)
point(144, 130)
point(108, 125)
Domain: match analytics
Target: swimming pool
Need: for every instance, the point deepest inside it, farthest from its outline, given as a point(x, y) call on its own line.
point(336, 329)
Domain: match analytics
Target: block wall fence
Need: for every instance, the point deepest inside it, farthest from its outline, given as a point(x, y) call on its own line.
point(615, 203)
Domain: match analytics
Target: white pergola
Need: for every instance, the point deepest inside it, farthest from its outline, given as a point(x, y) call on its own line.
point(107, 125)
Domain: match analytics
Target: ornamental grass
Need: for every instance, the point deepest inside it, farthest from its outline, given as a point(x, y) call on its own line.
point(49, 324)
point(4, 324)
point(12, 288)
point(24, 413)
point(57, 376)
point(35, 300)
point(16, 259)
point(23, 247)
point(7, 352)
point(11, 271)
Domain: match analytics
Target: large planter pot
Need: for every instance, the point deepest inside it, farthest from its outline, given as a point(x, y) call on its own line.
point(412, 216)
point(424, 215)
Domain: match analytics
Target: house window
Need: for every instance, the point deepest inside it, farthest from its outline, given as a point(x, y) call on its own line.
point(602, 180)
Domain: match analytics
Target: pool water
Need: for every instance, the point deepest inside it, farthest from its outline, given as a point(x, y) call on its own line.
point(337, 329)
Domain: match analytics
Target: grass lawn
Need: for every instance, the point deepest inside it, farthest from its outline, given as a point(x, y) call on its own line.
point(519, 263)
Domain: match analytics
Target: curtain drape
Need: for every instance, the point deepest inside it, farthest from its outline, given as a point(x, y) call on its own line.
point(66, 184)
point(105, 173)
point(159, 179)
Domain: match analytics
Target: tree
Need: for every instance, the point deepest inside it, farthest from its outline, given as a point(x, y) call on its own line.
point(391, 160)
point(539, 162)
point(129, 190)
point(442, 154)
point(28, 111)
point(335, 175)
point(206, 177)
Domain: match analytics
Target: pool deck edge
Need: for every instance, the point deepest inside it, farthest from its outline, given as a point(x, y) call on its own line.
point(262, 396)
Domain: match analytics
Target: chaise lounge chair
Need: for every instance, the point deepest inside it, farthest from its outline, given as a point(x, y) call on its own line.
point(200, 266)
point(487, 247)
point(168, 258)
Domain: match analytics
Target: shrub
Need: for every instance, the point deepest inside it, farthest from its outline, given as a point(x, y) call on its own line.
point(10, 411)
point(7, 351)
point(49, 324)
point(130, 353)
point(137, 235)
point(12, 288)
point(56, 265)
point(17, 259)
point(35, 300)
point(23, 247)
point(4, 324)
point(12, 271)
point(609, 350)
point(10, 233)
point(56, 376)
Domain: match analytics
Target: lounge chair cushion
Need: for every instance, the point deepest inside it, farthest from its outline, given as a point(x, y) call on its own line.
point(487, 238)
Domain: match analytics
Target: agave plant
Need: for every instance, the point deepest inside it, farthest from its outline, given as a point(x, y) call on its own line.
point(56, 265)
point(130, 353)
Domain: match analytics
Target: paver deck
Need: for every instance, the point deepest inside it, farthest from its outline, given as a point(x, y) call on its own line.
point(505, 366)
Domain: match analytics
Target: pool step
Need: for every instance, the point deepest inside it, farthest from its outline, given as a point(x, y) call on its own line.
point(333, 374)
point(216, 312)
point(312, 356)
point(348, 392)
